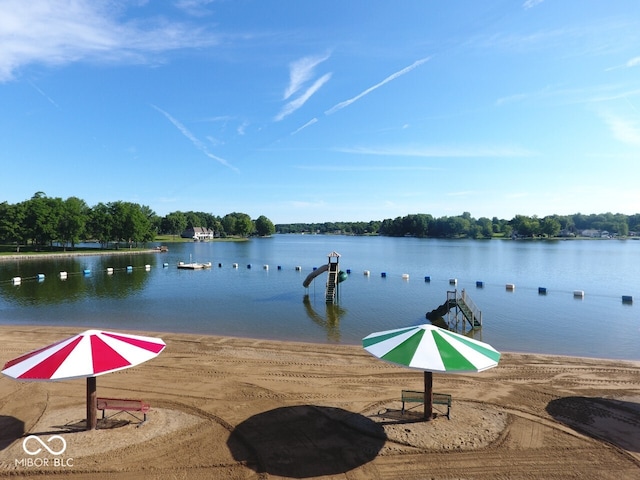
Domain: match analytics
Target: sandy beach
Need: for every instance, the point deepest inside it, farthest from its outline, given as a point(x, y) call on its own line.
point(234, 408)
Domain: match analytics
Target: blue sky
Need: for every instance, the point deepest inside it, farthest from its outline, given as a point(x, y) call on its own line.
point(313, 111)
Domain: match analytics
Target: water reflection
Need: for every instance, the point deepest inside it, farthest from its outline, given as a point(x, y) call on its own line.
point(330, 321)
point(69, 280)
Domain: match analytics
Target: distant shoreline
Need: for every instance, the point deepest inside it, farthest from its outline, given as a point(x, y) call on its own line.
point(36, 256)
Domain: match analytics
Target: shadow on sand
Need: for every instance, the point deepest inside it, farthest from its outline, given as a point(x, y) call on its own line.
point(11, 429)
point(602, 418)
point(390, 416)
point(306, 441)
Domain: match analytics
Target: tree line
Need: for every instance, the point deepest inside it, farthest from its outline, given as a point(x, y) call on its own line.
point(45, 221)
point(465, 226)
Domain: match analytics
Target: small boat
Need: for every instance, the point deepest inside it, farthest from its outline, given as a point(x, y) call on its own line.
point(194, 265)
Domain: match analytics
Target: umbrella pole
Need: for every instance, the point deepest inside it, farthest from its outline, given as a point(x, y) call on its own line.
point(92, 413)
point(428, 395)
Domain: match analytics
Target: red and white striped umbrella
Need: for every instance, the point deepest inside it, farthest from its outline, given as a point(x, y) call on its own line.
point(85, 355)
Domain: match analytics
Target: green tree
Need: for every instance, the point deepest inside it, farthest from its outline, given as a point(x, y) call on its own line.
point(526, 226)
point(229, 224)
point(147, 230)
point(264, 226)
point(12, 223)
point(550, 226)
point(485, 227)
point(194, 219)
point(132, 223)
point(42, 218)
point(73, 220)
point(238, 224)
point(174, 223)
point(459, 226)
point(100, 224)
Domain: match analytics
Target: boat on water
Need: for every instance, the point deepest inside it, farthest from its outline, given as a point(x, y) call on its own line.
point(194, 265)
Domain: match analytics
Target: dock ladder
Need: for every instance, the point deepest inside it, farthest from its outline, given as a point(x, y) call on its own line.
point(462, 308)
point(332, 277)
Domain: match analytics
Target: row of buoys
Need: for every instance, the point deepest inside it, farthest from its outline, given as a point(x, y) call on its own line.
point(627, 299)
point(63, 275)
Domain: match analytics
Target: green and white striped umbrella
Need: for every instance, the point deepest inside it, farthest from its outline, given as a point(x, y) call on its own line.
point(431, 349)
point(427, 347)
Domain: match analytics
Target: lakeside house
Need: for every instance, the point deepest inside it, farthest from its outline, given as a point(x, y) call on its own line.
point(198, 233)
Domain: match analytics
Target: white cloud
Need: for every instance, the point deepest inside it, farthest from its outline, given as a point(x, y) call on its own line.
point(556, 95)
point(634, 62)
point(194, 140)
point(295, 104)
point(391, 77)
point(464, 193)
point(196, 8)
point(65, 31)
point(365, 168)
point(241, 130)
point(623, 129)
point(531, 3)
point(439, 152)
point(300, 72)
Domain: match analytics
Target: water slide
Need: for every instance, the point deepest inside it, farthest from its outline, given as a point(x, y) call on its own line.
point(314, 274)
point(441, 311)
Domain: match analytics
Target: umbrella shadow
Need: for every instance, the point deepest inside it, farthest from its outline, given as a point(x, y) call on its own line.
point(395, 416)
point(11, 429)
point(601, 418)
point(306, 441)
point(79, 426)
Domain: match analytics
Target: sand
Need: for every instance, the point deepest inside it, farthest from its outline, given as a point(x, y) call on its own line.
point(233, 408)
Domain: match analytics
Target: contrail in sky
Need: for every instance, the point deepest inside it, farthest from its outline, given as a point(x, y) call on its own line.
point(295, 104)
point(393, 76)
point(44, 95)
point(197, 143)
point(309, 123)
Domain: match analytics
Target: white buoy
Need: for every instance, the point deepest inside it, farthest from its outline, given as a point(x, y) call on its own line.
point(110, 271)
point(367, 273)
point(235, 265)
point(63, 275)
point(147, 267)
point(16, 280)
point(453, 281)
point(298, 268)
point(578, 293)
point(510, 286)
point(405, 276)
point(266, 267)
point(40, 277)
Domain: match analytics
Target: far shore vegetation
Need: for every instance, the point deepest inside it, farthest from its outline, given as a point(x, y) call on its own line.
point(45, 224)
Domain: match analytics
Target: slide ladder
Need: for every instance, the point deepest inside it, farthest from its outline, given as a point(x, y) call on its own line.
point(456, 308)
point(332, 281)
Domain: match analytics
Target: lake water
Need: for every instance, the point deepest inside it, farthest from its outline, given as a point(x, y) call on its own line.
point(271, 303)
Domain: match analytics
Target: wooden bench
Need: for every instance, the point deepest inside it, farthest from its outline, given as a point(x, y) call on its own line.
point(123, 405)
point(418, 397)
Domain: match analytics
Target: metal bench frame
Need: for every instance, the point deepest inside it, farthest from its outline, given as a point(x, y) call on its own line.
point(123, 405)
point(416, 396)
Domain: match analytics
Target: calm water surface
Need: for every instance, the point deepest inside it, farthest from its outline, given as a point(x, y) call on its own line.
point(271, 302)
